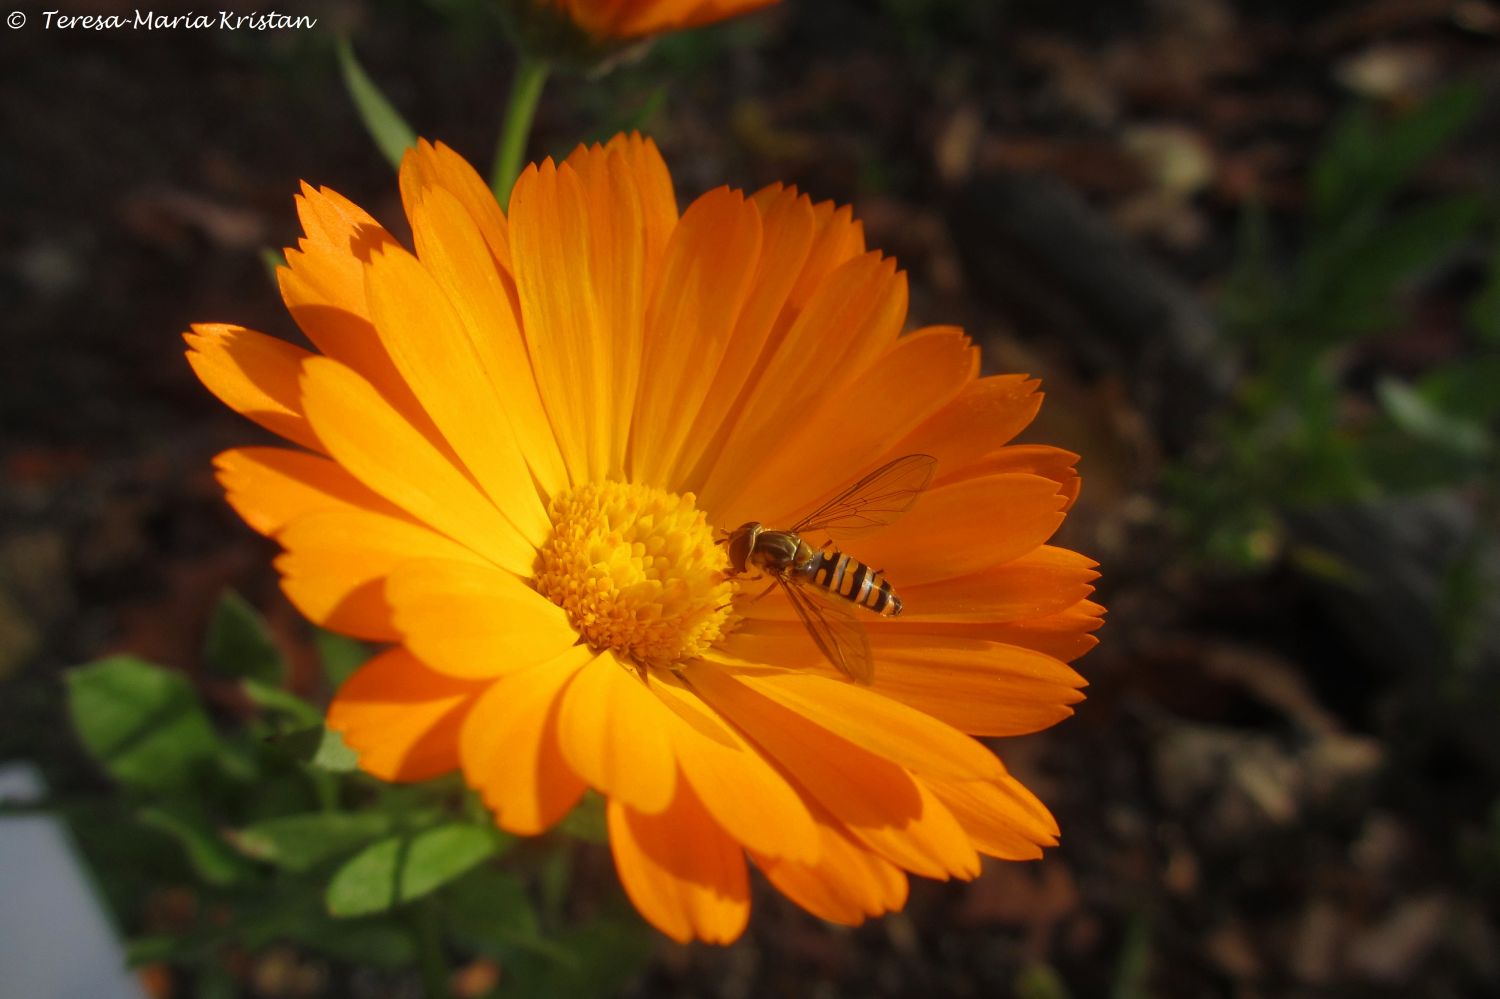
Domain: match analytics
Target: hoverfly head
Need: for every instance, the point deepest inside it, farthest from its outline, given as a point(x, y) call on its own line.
point(741, 542)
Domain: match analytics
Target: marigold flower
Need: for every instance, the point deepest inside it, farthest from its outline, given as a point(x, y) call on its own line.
point(519, 448)
point(637, 18)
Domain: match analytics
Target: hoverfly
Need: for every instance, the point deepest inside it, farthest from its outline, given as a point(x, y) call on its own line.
point(823, 583)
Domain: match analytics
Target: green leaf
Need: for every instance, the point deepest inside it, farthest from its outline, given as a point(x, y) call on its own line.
point(340, 656)
point(384, 123)
point(212, 858)
point(334, 754)
point(302, 842)
point(1133, 968)
point(1039, 980)
point(554, 873)
point(637, 119)
point(215, 982)
point(1252, 292)
point(1468, 591)
point(1336, 174)
point(586, 821)
point(1366, 161)
point(1465, 389)
point(278, 794)
point(1322, 564)
point(274, 698)
point(403, 868)
point(360, 942)
point(272, 260)
point(240, 645)
point(604, 956)
point(151, 950)
point(1484, 311)
point(142, 722)
point(489, 912)
point(320, 747)
point(1358, 280)
point(1415, 415)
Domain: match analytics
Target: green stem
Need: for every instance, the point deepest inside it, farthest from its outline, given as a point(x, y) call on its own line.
point(531, 77)
point(430, 950)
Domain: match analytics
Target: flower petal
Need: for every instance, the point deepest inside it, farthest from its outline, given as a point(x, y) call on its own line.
point(737, 785)
point(1010, 514)
point(872, 721)
point(838, 238)
point(1002, 818)
point(878, 801)
point(436, 355)
point(401, 718)
point(808, 243)
point(1037, 459)
point(831, 449)
point(579, 258)
point(323, 286)
point(981, 688)
point(1065, 635)
point(641, 160)
point(452, 250)
point(633, 18)
point(984, 416)
point(338, 239)
point(1044, 581)
point(337, 560)
point(854, 316)
point(270, 486)
point(934, 846)
point(253, 374)
point(787, 231)
point(434, 165)
point(474, 621)
point(1041, 582)
point(510, 746)
point(692, 317)
point(682, 872)
point(975, 685)
point(847, 883)
point(374, 442)
point(613, 734)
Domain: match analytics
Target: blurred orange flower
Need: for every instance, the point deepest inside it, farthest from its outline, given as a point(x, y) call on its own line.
point(636, 18)
point(519, 447)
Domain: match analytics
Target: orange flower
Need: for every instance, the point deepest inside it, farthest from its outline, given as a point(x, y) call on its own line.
point(518, 448)
point(637, 18)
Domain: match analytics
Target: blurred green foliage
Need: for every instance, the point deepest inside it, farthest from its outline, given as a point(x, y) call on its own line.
point(1304, 431)
point(1133, 967)
point(392, 135)
point(266, 827)
point(1039, 981)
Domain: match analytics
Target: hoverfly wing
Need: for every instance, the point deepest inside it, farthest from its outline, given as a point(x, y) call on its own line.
point(838, 634)
point(873, 501)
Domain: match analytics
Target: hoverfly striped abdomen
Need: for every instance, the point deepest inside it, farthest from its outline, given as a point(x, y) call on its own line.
point(848, 577)
point(820, 584)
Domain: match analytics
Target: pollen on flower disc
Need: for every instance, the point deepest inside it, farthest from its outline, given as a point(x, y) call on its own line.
point(638, 571)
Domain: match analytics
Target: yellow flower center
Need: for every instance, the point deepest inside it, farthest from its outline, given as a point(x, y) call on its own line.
point(637, 570)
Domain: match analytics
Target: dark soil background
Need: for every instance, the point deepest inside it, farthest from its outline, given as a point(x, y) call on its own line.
point(1274, 788)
